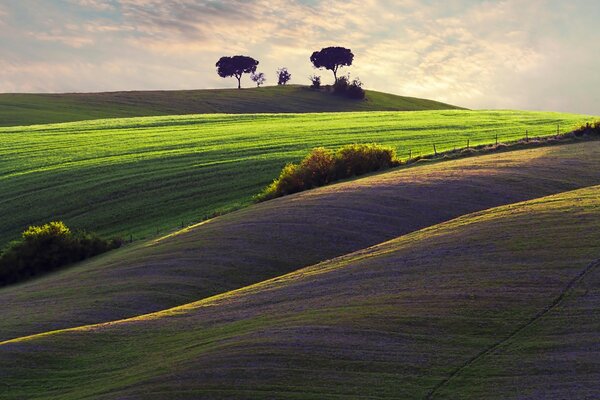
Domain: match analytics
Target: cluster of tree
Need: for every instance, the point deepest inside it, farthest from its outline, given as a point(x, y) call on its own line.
point(330, 58)
point(46, 248)
point(323, 166)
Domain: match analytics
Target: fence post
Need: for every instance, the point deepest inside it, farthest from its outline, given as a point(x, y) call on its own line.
point(434, 150)
point(468, 141)
point(496, 139)
point(527, 136)
point(130, 238)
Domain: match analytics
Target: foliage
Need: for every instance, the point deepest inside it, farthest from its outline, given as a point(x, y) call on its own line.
point(258, 78)
point(332, 58)
point(589, 128)
point(283, 76)
point(47, 247)
point(322, 166)
point(236, 66)
point(352, 89)
point(315, 81)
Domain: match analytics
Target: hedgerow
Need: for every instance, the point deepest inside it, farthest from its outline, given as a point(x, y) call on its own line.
point(322, 166)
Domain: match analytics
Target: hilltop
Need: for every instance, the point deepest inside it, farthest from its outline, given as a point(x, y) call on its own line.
point(30, 109)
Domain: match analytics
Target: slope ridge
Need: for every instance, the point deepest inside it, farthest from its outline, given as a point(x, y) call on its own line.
point(30, 109)
point(395, 319)
point(279, 236)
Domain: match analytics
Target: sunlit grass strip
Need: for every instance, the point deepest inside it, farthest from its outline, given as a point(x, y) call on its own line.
point(140, 176)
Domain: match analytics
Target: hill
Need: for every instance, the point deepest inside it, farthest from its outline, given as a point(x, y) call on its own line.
point(138, 176)
point(450, 311)
point(30, 109)
point(279, 236)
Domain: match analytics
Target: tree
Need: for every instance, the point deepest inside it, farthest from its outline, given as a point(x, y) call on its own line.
point(258, 78)
point(283, 76)
point(236, 66)
point(332, 58)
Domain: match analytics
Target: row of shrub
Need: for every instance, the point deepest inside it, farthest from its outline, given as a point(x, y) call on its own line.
point(343, 86)
point(46, 248)
point(322, 166)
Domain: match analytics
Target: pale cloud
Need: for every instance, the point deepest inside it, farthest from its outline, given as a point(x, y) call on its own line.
point(479, 54)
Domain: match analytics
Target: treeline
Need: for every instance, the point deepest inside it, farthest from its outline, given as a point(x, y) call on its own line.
point(48, 247)
point(330, 58)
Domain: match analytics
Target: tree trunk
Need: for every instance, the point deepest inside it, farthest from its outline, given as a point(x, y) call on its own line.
point(239, 78)
point(334, 75)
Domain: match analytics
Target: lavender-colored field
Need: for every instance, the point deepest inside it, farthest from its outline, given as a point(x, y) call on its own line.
point(496, 304)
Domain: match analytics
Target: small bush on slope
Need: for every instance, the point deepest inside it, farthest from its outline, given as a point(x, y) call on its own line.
point(322, 166)
point(48, 247)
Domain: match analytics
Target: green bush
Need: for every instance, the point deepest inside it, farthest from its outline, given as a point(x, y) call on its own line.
point(46, 248)
point(322, 166)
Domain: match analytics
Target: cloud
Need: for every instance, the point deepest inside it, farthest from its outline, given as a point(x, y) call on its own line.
point(479, 54)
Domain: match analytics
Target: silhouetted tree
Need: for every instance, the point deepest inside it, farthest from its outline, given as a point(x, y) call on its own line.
point(283, 76)
point(332, 58)
point(316, 81)
point(236, 66)
point(258, 78)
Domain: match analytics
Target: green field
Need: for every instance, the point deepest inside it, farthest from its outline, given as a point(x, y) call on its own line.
point(449, 311)
point(29, 109)
point(141, 176)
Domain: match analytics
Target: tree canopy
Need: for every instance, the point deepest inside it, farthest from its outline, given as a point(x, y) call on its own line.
point(236, 66)
point(332, 58)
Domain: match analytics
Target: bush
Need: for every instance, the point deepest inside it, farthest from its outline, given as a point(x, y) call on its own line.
point(355, 90)
point(315, 81)
point(322, 166)
point(351, 89)
point(340, 87)
point(46, 248)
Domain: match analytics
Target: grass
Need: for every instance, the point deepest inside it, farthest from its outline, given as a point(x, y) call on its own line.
point(273, 238)
point(397, 318)
point(141, 176)
point(29, 109)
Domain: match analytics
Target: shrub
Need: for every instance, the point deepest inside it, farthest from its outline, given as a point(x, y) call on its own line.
point(322, 166)
point(46, 248)
point(315, 81)
point(351, 89)
point(355, 90)
point(340, 87)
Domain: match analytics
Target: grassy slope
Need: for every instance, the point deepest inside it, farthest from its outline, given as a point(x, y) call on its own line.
point(29, 109)
point(392, 321)
point(134, 176)
point(279, 236)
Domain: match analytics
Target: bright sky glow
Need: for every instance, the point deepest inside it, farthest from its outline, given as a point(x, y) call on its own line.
point(534, 54)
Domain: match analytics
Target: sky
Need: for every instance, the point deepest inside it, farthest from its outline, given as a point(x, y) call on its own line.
point(513, 54)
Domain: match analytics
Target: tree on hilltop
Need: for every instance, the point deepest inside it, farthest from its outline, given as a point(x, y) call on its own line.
point(258, 78)
point(283, 76)
point(236, 66)
point(332, 58)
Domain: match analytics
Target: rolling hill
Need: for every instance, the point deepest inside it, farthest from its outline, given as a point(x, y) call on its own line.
point(140, 176)
point(30, 109)
point(444, 312)
point(279, 236)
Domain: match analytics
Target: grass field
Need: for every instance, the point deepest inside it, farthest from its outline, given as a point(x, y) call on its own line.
point(410, 318)
point(29, 109)
point(142, 175)
point(273, 238)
